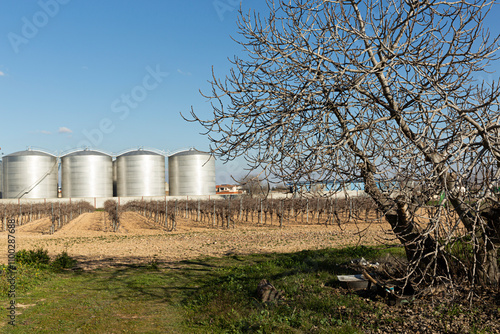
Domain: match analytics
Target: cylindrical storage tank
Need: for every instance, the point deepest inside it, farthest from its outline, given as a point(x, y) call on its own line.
point(140, 173)
point(191, 173)
point(29, 174)
point(1, 178)
point(87, 173)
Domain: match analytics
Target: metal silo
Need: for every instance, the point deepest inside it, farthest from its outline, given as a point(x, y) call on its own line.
point(29, 174)
point(140, 173)
point(191, 172)
point(87, 173)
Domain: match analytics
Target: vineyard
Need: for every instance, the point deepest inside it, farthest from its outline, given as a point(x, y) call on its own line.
point(212, 213)
point(231, 212)
point(59, 213)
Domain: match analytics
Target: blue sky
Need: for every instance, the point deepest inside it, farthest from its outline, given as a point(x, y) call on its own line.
point(114, 74)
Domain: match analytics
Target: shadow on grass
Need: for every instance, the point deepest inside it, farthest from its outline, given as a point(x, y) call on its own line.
point(139, 279)
point(135, 278)
point(215, 294)
point(126, 279)
point(228, 300)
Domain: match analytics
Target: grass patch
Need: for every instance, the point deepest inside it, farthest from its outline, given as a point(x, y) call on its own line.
point(212, 295)
point(27, 278)
point(228, 303)
point(32, 267)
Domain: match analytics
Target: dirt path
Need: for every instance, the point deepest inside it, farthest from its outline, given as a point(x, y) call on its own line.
point(85, 224)
point(38, 226)
point(90, 239)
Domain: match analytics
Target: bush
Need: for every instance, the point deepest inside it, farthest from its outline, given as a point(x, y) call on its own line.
point(63, 261)
point(33, 257)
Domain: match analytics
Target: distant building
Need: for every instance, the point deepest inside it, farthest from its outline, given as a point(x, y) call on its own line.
point(228, 189)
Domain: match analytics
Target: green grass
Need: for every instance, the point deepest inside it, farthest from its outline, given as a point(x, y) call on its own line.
point(131, 299)
point(212, 295)
point(228, 304)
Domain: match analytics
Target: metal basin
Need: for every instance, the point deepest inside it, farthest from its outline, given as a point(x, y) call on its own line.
point(353, 282)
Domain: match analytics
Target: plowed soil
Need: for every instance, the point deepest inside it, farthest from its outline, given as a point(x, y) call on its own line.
point(91, 240)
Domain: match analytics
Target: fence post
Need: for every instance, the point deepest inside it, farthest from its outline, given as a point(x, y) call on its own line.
point(317, 209)
point(228, 212)
point(156, 212)
point(350, 208)
point(174, 223)
point(307, 211)
point(329, 212)
point(53, 219)
point(213, 216)
point(281, 214)
point(117, 216)
point(198, 215)
point(166, 212)
point(59, 217)
point(239, 215)
point(260, 212)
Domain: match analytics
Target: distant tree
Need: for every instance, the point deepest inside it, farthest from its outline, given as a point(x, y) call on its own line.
point(254, 186)
point(388, 92)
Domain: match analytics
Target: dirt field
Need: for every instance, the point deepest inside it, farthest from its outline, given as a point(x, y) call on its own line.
point(91, 241)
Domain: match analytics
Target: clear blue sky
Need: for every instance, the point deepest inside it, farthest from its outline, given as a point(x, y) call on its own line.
point(114, 74)
point(111, 74)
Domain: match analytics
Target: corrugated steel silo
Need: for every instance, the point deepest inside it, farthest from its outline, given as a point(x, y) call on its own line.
point(87, 173)
point(29, 174)
point(191, 172)
point(140, 173)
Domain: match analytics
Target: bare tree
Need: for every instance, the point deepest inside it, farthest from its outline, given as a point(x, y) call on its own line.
point(388, 92)
point(254, 186)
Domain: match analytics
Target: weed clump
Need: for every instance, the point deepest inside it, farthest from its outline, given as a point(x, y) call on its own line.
point(33, 257)
point(63, 261)
point(31, 268)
